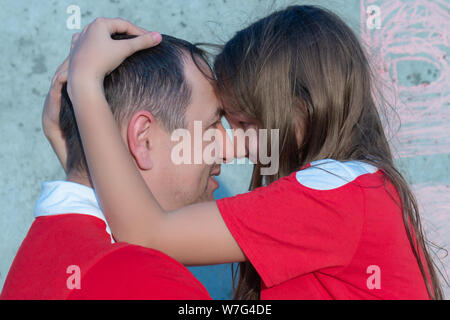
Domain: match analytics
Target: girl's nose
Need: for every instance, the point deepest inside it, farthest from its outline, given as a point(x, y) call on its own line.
point(228, 152)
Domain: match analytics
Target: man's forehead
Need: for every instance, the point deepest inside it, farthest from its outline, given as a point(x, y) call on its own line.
point(194, 62)
point(207, 113)
point(205, 104)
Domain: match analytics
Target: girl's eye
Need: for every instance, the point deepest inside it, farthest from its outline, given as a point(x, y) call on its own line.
point(216, 123)
point(244, 125)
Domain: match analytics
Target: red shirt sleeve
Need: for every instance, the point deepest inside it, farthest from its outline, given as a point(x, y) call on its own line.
point(287, 229)
point(137, 273)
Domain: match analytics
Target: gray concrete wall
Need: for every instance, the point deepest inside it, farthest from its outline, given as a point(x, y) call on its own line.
point(34, 39)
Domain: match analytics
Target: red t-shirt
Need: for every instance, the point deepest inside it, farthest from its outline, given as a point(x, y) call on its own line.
point(328, 231)
point(42, 267)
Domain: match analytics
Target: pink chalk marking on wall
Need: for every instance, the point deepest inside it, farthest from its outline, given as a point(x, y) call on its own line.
point(415, 34)
point(434, 200)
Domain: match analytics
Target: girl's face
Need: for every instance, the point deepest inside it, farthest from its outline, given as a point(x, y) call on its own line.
point(245, 134)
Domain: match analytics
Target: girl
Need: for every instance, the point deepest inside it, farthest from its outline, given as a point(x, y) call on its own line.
point(338, 221)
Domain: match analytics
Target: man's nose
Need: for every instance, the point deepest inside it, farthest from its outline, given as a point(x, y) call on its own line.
point(226, 145)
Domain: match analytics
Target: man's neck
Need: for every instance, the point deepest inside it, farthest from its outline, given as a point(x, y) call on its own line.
point(79, 177)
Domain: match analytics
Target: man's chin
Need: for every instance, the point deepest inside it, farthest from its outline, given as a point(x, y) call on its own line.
point(205, 197)
point(209, 195)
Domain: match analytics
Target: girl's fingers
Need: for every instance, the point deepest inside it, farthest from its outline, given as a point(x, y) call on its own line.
point(64, 65)
point(63, 68)
point(57, 83)
point(144, 39)
point(62, 77)
point(119, 25)
point(142, 42)
point(101, 54)
point(85, 29)
point(74, 39)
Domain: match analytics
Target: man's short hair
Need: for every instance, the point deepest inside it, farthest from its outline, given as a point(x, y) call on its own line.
point(151, 79)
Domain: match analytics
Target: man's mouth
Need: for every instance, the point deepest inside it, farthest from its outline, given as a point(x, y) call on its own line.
point(212, 181)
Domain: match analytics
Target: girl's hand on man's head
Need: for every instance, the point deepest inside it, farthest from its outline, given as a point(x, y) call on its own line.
point(94, 54)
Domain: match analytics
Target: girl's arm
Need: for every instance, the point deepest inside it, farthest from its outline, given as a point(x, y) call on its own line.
point(193, 235)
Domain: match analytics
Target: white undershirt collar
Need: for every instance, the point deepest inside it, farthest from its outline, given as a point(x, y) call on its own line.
point(66, 197)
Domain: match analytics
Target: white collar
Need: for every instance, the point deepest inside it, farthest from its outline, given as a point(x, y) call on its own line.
point(63, 197)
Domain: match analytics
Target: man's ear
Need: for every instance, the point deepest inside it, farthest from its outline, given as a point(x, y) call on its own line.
point(139, 132)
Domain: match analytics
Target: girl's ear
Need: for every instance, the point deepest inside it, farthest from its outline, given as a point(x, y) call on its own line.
point(139, 138)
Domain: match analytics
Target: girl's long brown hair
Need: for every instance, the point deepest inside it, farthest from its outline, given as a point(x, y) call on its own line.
point(303, 71)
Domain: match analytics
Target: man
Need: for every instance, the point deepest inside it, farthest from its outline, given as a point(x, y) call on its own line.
point(69, 252)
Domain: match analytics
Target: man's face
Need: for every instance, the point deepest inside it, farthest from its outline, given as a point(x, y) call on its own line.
point(177, 185)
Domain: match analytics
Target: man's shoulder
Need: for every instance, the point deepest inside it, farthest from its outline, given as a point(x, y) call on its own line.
point(137, 257)
point(134, 272)
point(136, 262)
point(62, 249)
